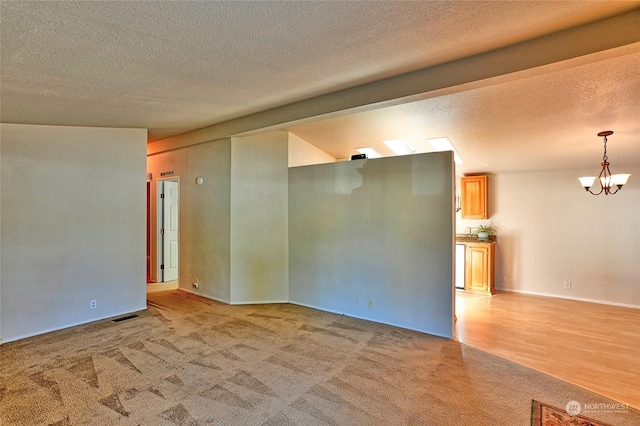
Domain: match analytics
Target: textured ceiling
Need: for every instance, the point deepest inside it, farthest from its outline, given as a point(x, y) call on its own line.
point(543, 122)
point(172, 67)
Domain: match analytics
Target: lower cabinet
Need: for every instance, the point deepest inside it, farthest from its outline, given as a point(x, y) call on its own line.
point(480, 263)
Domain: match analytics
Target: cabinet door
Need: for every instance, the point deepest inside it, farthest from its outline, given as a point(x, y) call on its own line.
point(478, 268)
point(474, 197)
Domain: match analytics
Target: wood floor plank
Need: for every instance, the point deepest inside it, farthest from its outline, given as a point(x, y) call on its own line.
point(591, 345)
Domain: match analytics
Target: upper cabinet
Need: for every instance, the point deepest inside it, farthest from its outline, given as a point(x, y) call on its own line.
point(475, 197)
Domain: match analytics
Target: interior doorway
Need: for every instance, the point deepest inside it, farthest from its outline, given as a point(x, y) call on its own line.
point(149, 279)
point(168, 229)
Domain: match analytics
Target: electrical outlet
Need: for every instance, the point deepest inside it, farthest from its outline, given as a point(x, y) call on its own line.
point(371, 304)
point(196, 284)
point(360, 302)
point(93, 304)
point(567, 285)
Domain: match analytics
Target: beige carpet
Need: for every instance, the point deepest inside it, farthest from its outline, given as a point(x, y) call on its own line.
point(191, 361)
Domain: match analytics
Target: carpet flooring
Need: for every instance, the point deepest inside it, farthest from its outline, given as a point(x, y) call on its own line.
point(187, 360)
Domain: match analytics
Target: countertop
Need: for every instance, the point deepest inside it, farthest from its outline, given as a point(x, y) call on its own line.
point(470, 238)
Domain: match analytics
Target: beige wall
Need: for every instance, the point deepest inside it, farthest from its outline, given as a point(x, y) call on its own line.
point(73, 220)
point(259, 219)
point(204, 214)
point(233, 227)
point(377, 230)
point(551, 231)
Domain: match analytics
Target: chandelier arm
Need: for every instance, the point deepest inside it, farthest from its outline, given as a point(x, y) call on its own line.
point(599, 180)
point(611, 184)
point(606, 183)
point(595, 193)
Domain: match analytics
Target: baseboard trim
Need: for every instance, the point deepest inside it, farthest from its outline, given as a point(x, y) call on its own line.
point(579, 299)
point(245, 302)
point(260, 302)
point(370, 319)
point(75, 324)
point(206, 296)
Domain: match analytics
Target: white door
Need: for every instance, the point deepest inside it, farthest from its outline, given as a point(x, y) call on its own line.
point(169, 231)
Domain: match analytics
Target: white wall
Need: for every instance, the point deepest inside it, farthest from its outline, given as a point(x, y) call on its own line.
point(551, 231)
point(302, 153)
point(204, 212)
point(259, 219)
point(73, 221)
point(0, 234)
point(376, 230)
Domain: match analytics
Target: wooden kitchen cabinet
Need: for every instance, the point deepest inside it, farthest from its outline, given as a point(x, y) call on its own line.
point(475, 197)
point(480, 263)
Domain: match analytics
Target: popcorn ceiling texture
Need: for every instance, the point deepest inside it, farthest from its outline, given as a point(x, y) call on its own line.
point(173, 67)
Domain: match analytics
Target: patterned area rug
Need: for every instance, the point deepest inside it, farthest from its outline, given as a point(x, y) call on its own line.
point(547, 415)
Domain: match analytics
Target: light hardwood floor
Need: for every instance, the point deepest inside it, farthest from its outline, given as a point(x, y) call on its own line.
point(591, 345)
point(156, 287)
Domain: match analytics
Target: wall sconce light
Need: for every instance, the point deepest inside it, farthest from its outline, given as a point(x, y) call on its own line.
point(605, 178)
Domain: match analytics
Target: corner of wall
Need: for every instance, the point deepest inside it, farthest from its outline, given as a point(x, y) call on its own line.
point(302, 153)
point(204, 239)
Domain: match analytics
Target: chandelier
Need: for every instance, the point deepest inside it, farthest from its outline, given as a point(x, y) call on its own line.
point(609, 184)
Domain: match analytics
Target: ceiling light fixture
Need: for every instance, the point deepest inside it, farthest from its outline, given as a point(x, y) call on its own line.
point(399, 146)
point(370, 152)
point(605, 178)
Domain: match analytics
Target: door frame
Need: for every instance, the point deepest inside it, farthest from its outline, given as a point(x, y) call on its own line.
point(160, 223)
point(149, 238)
